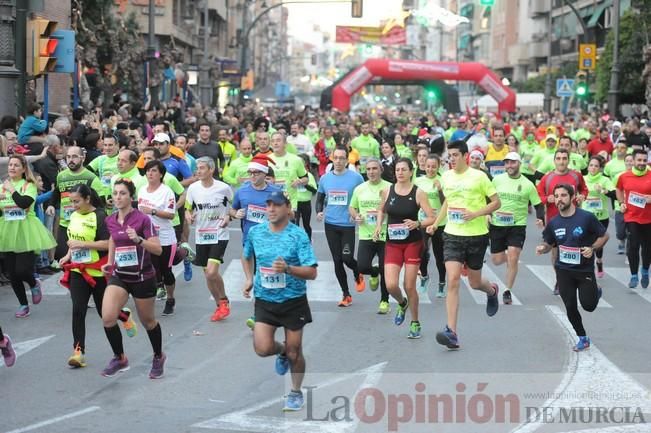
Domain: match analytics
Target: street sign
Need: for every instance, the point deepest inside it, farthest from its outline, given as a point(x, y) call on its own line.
point(587, 56)
point(65, 51)
point(564, 87)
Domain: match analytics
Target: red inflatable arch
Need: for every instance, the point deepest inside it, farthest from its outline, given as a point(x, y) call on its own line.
point(425, 71)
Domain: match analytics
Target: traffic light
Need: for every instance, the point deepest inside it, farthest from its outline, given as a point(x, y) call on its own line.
point(44, 43)
point(356, 8)
point(581, 88)
point(432, 93)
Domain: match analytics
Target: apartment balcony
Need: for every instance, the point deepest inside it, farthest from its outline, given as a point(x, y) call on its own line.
point(539, 7)
point(538, 49)
point(519, 54)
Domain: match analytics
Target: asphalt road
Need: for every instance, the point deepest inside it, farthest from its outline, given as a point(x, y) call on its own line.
point(514, 372)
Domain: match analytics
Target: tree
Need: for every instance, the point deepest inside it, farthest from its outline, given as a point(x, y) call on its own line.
point(634, 36)
point(110, 43)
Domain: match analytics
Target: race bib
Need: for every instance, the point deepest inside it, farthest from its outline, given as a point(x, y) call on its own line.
point(371, 217)
point(496, 169)
point(256, 214)
point(594, 203)
point(271, 279)
point(126, 256)
point(455, 215)
point(67, 211)
point(207, 236)
point(14, 213)
point(398, 232)
point(569, 255)
point(363, 160)
point(82, 255)
point(301, 188)
point(106, 180)
point(637, 200)
point(504, 218)
point(337, 198)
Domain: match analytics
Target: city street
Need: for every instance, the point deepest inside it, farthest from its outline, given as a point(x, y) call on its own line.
point(215, 382)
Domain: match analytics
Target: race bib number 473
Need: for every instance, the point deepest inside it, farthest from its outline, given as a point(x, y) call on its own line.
point(337, 198)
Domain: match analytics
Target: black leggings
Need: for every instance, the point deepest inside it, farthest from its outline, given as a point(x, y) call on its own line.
point(163, 265)
point(599, 252)
point(62, 243)
point(586, 284)
point(366, 251)
point(21, 268)
point(304, 212)
point(80, 292)
point(639, 236)
point(437, 248)
point(341, 241)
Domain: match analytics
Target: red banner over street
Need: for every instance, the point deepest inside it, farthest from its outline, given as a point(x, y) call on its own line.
point(371, 35)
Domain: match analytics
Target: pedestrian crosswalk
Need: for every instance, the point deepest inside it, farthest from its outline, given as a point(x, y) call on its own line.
point(530, 279)
point(545, 273)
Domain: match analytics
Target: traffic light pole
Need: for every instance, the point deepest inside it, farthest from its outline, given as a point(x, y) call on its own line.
point(21, 55)
point(613, 91)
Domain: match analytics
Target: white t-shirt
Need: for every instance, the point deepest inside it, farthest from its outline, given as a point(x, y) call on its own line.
point(211, 205)
point(302, 144)
point(162, 200)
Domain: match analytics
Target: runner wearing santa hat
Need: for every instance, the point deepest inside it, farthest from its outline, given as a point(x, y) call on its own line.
point(250, 201)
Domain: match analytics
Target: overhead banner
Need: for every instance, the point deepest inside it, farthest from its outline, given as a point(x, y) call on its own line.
point(371, 35)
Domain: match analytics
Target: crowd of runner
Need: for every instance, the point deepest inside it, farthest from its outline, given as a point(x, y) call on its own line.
point(115, 198)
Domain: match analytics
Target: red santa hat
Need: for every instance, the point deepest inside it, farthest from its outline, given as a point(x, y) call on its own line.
point(261, 162)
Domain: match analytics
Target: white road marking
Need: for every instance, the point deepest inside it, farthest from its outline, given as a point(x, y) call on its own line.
point(545, 273)
point(23, 347)
point(590, 380)
point(242, 420)
point(489, 274)
point(324, 289)
point(56, 420)
point(622, 275)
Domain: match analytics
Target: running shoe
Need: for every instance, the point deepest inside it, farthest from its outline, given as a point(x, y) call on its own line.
point(492, 303)
point(161, 293)
point(440, 293)
point(77, 360)
point(222, 311)
point(22, 312)
point(157, 366)
point(414, 330)
point(282, 364)
point(129, 325)
point(506, 297)
point(400, 312)
point(384, 307)
point(583, 344)
point(294, 401)
point(448, 338)
point(644, 281)
point(250, 322)
point(169, 307)
point(621, 249)
point(422, 287)
point(374, 282)
point(37, 293)
point(633, 282)
point(346, 301)
point(191, 255)
point(360, 284)
point(600, 269)
point(8, 352)
point(464, 270)
point(117, 364)
point(557, 291)
point(187, 269)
